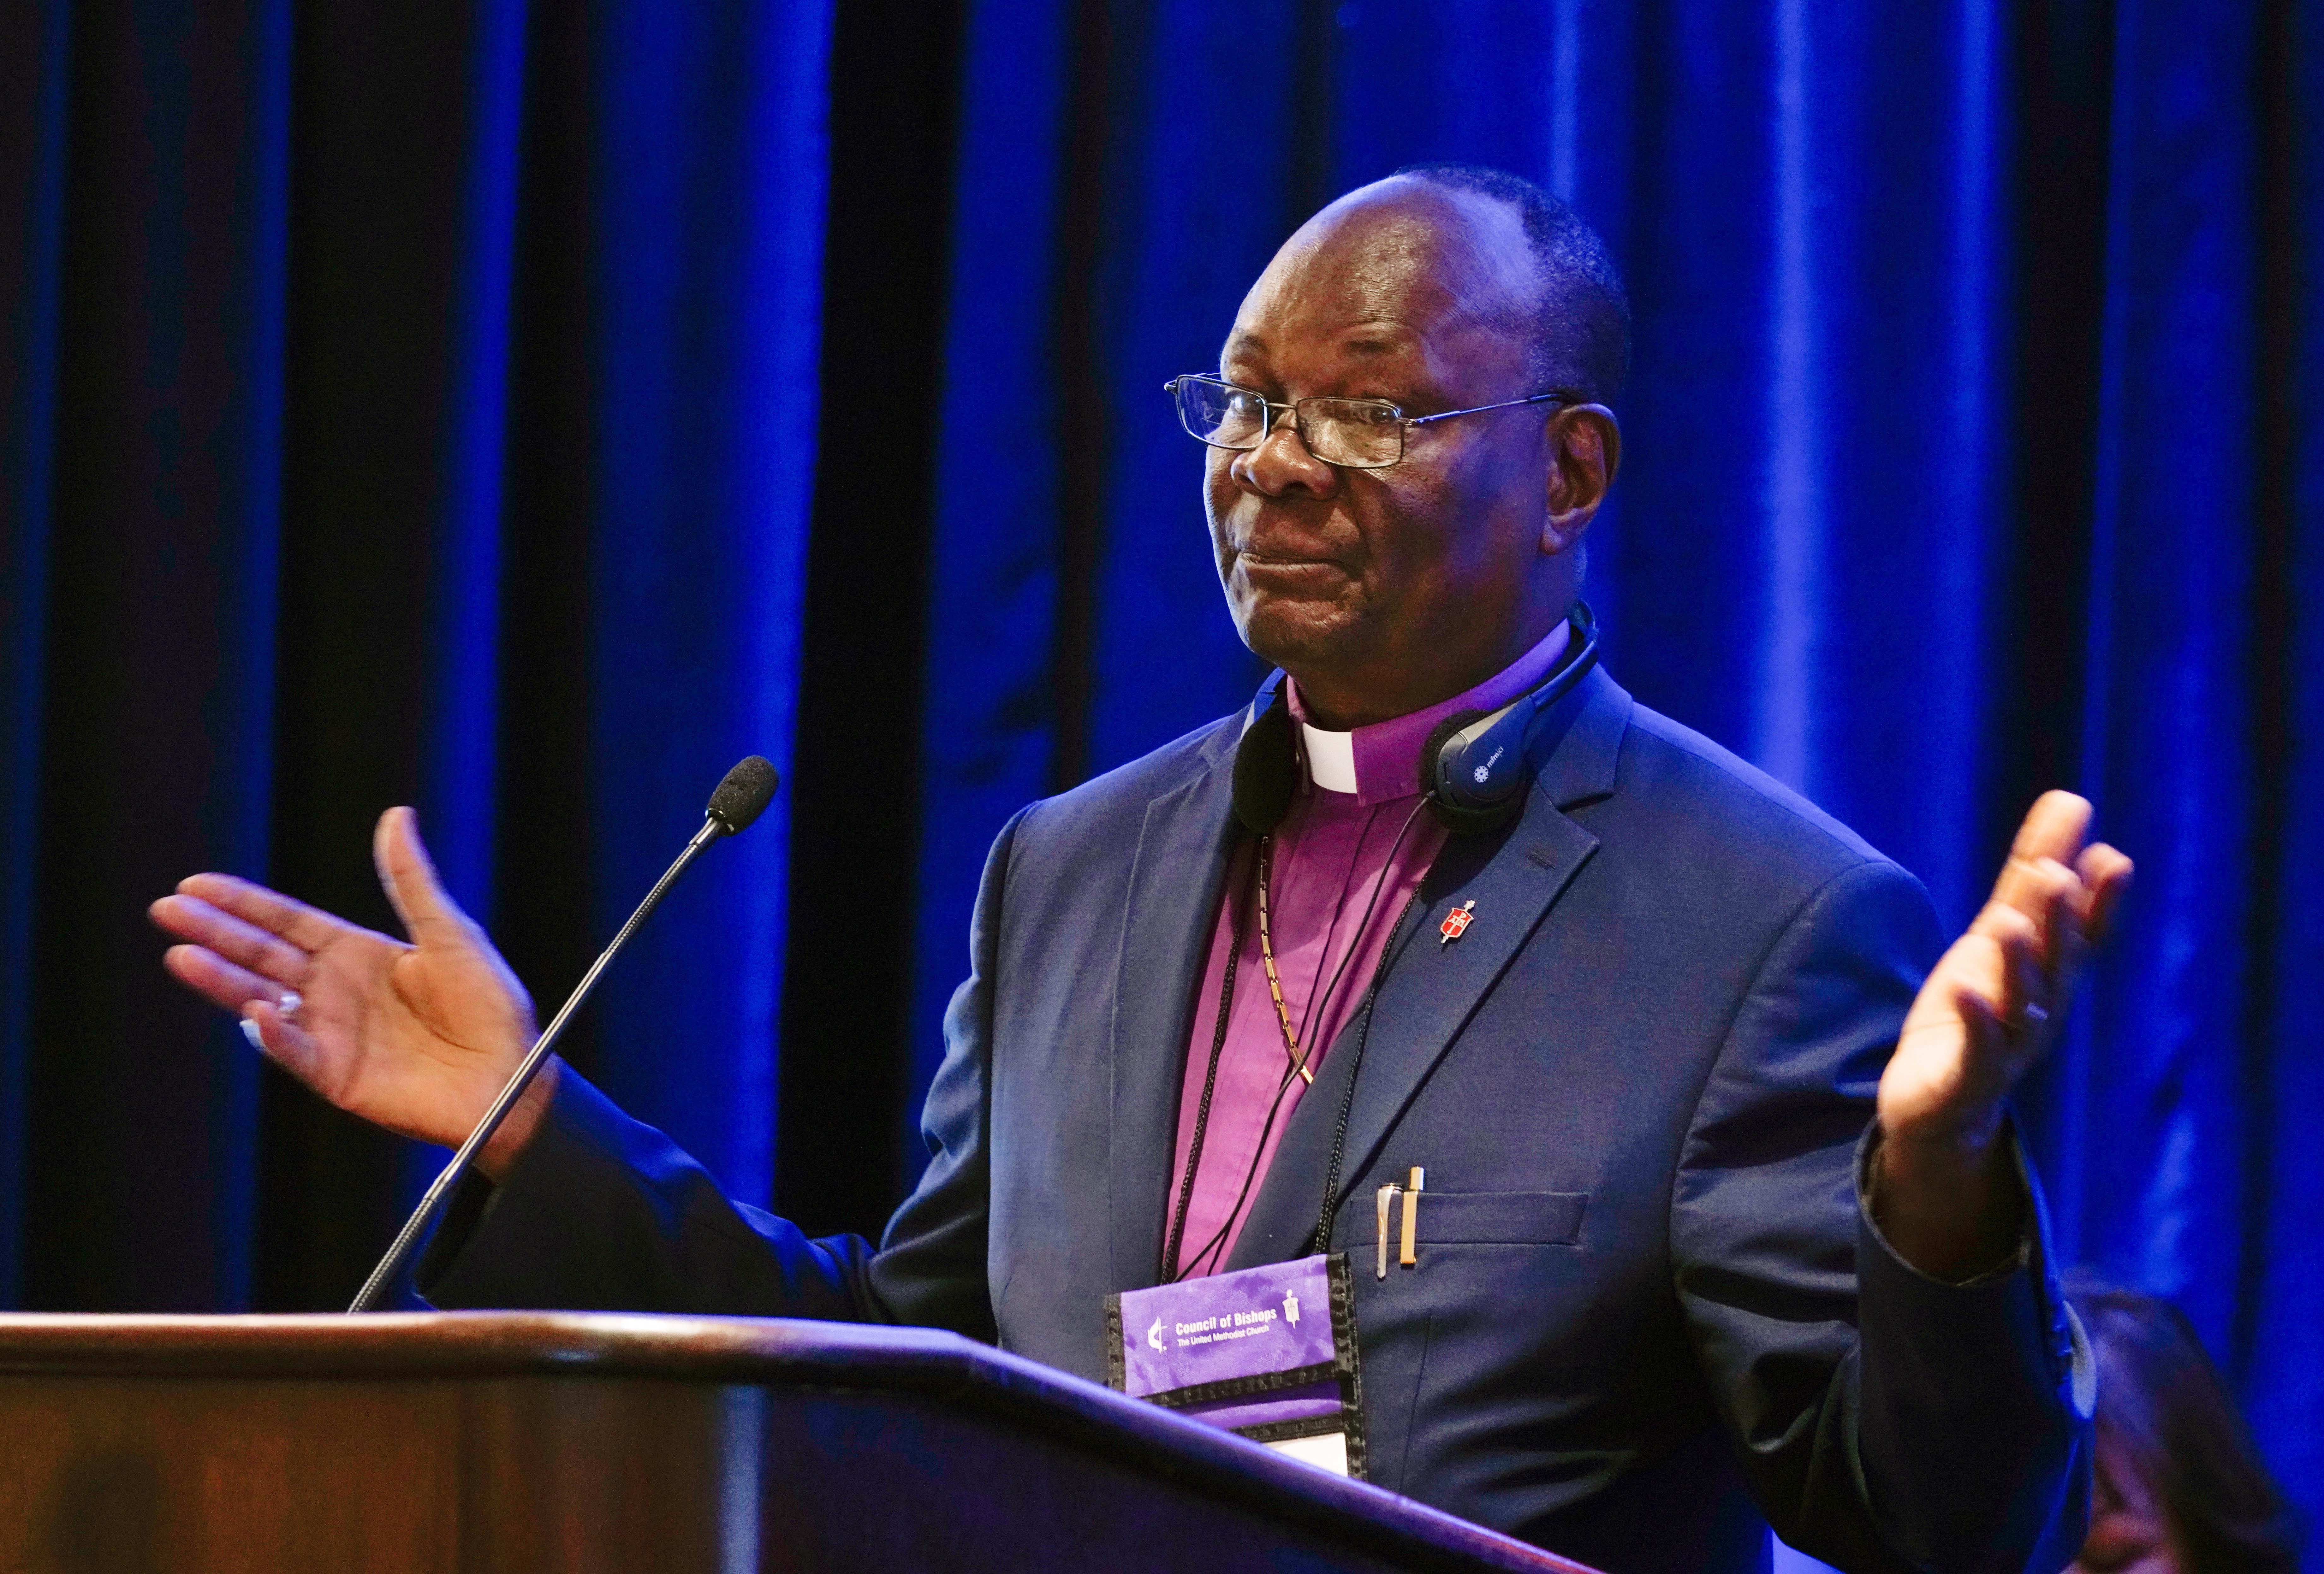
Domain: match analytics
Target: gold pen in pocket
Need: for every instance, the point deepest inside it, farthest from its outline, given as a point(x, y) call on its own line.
point(1410, 1256)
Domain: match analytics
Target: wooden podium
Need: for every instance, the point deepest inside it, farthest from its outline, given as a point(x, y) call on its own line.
point(507, 1441)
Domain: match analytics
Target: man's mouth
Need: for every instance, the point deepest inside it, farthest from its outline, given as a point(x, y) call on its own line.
point(1278, 575)
point(1274, 562)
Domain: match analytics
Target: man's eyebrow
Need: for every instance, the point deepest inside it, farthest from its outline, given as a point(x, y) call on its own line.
point(1242, 341)
point(1382, 337)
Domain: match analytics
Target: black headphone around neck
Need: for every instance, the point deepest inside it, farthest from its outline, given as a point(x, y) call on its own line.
point(1474, 768)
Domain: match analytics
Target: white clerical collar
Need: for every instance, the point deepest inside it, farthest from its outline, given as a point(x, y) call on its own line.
point(1330, 759)
point(1380, 762)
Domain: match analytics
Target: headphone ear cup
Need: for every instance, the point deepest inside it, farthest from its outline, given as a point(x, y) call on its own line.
point(1468, 820)
point(1432, 751)
point(1482, 785)
point(1266, 770)
point(1460, 812)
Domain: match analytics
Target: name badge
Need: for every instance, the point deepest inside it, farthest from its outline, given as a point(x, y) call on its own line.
point(1268, 1352)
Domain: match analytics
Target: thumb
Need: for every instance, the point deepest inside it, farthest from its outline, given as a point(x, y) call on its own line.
point(430, 914)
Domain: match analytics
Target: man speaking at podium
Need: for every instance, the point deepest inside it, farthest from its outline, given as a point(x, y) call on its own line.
point(1684, 1254)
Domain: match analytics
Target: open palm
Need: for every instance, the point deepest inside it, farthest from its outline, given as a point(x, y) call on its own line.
point(416, 1037)
point(1990, 1007)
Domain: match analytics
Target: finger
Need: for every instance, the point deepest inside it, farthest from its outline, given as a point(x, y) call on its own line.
point(2055, 827)
point(293, 1048)
point(1989, 1034)
point(246, 944)
point(2033, 885)
point(2053, 832)
point(1974, 966)
point(429, 912)
point(308, 928)
point(2025, 1003)
point(2006, 972)
point(2044, 892)
point(2060, 942)
point(2106, 874)
point(1966, 991)
point(217, 980)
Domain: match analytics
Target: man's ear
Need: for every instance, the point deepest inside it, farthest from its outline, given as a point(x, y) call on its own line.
point(1585, 450)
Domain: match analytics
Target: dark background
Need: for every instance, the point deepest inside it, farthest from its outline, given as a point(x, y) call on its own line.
point(522, 410)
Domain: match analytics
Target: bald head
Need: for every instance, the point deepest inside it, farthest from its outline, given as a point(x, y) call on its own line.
point(1518, 260)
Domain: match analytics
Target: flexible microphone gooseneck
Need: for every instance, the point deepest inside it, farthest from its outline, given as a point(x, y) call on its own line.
point(739, 800)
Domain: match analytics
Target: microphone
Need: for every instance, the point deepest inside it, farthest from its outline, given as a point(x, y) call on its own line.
point(739, 800)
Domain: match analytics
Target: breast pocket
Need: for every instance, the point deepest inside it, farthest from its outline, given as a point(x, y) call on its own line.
point(1500, 1217)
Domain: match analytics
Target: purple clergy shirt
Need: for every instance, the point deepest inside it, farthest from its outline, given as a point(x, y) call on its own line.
point(1357, 790)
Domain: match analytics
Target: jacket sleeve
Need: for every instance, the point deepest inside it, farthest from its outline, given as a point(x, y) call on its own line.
point(601, 1213)
point(1887, 1421)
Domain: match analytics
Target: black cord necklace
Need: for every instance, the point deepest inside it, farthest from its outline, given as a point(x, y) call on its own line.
point(1169, 1270)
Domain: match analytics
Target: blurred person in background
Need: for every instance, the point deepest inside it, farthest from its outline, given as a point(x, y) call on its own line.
point(2180, 1487)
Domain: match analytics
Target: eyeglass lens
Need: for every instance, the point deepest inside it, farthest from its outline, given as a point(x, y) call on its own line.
point(1360, 433)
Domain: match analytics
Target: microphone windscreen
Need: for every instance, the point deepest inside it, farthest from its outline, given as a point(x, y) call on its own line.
point(744, 795)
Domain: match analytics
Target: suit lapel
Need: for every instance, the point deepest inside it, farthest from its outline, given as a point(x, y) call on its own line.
point(1174, 902)
point(1431, 989)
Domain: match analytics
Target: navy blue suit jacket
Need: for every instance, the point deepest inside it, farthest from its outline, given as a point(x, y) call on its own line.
point(1649, 1306)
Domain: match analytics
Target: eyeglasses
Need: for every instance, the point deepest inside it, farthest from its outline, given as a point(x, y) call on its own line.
point(1354, 434)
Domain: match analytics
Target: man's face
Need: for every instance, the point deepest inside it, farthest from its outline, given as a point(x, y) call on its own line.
point(1350, 577)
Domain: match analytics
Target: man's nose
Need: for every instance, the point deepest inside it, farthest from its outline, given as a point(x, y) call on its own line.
point(1281, 464)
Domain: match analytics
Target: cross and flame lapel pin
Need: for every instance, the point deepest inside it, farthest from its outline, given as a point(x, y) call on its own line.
point(1456, 923)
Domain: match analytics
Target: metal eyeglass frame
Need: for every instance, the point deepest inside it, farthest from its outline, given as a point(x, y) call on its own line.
point(1403, 423)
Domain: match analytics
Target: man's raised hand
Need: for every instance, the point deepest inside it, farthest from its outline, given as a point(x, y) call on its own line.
point(416, 1037)
point(1986, 1015)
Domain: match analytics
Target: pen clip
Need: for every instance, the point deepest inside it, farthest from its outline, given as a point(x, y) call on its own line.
point(1409, 1256)
point(1382, 1197)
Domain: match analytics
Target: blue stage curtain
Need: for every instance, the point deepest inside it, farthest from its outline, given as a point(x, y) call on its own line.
point(711, 160)
point(403, 405)
point(144, 520)
point(1971, 450)
point(31, 209)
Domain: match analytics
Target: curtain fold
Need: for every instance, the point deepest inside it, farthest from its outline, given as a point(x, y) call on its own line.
point(31, 208)
point(157, 643)
point(985, 716)
point(403, 211)
point(2282, 1378)
point(711, 164)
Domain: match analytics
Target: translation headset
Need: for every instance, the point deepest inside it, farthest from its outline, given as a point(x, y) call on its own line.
point(1474, 769)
